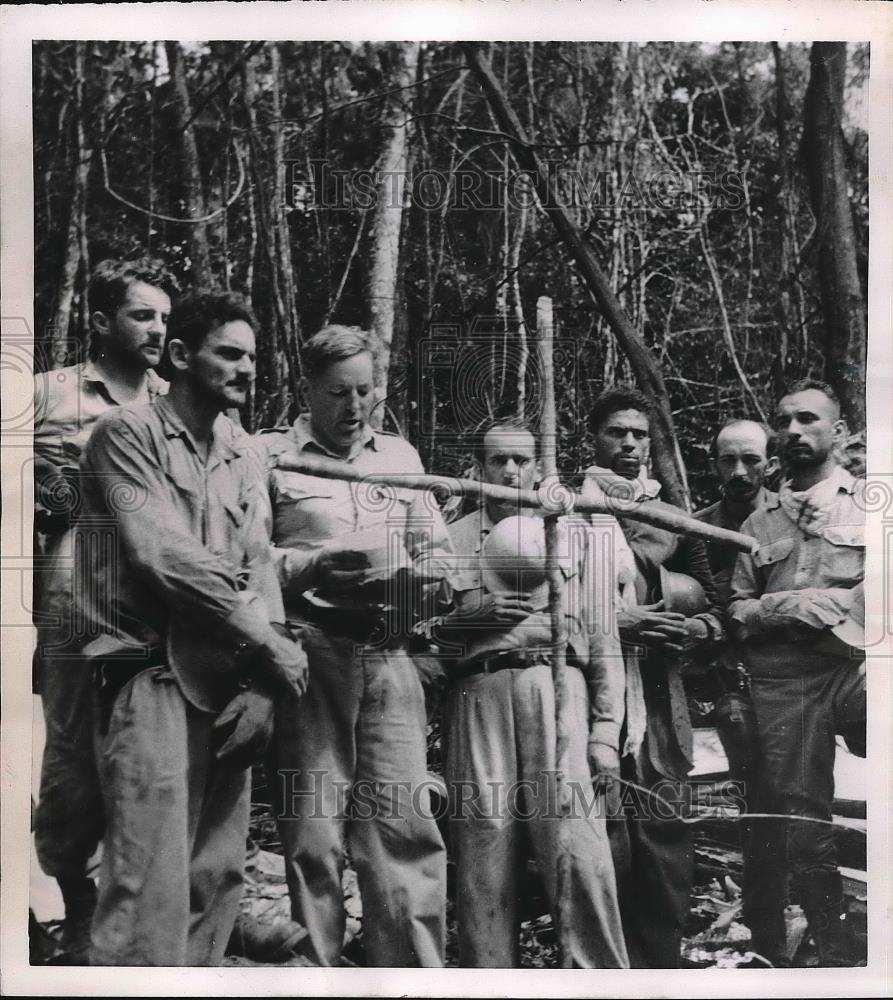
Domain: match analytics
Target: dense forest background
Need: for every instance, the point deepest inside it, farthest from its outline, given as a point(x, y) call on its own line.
point(698, 214)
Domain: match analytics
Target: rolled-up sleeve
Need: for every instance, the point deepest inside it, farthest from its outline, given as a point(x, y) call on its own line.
point(156, 538)
point(606, 671)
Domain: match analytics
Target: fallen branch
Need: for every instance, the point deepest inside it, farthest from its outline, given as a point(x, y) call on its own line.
point(561, 499)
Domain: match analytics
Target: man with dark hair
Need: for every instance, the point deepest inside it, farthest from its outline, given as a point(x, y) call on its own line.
point(129, 305)
point(353, 560)
point(742, 452)
point(499, 726)
point(806, 686)
point(173, 537)
point(652, 853)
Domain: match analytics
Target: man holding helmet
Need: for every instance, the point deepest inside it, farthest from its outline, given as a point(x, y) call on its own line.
point(499, 730)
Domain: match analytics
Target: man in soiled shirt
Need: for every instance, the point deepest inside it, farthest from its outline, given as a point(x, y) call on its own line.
point(806, 685)
point(742, 456)
point(653, 854)
point(350, 759)
point(129, 306)
point(179, 592)
point(499, 734)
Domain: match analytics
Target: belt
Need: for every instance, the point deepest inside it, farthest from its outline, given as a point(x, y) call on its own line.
point(509, 659)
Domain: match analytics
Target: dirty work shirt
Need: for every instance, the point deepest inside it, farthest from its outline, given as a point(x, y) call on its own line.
point(68, 402)
point(764, 887)
point(353, 750)
point(68, 818)
point(499, 740)
point(165, 539)
point(806, 687)
point(790, 559)
point(653, 855)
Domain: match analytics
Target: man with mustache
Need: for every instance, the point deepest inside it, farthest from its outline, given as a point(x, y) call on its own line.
point(741, 458)
point(652, 850)
point(806, 687)
point(179, 593)
point(129, 306)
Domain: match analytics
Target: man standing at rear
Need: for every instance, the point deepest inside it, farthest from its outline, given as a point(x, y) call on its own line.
point(652, 851)
point(741, 458)
point(350, 757)
point(786, 597)
point(499, 730)
point(129, 306)
point(179, 593)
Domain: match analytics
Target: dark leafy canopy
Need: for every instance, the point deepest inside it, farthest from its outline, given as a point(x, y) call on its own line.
point(679, 161)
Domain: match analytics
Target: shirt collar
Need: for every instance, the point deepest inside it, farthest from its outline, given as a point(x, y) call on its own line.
point(840, 481)
point(303, 437)
point(222, 439)
point(155, 385)
point(638, 489)
point(766, 498)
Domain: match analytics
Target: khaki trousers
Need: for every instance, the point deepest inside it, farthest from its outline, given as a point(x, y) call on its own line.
point(176, 822)
point(349, 771)
point(500, 772)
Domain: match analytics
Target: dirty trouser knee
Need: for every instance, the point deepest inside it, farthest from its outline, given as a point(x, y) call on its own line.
point(654, 865)
point(500, 770)
point(798, 718)
point(349, 765)
point(173, 854)
point(69, 819)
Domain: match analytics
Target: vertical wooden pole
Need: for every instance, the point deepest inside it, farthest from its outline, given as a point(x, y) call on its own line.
point(549, 460)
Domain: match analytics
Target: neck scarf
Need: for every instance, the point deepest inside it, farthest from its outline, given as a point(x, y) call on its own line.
point(811, 509)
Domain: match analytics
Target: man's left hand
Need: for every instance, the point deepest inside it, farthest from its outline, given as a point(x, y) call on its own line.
point(245, 728)
point(696, 633)
point(604, 766)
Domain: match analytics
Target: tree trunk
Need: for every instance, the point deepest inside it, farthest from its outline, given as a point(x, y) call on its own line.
point(381, 282)
point(292, 332)
point(843, 304)
point(192, 178)
point(642, 362)
point(74, 235)
point(277, 382)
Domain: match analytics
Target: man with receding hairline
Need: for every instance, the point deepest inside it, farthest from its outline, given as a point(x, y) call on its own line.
point(743, 455)
point(499, 725)
point(786, 597)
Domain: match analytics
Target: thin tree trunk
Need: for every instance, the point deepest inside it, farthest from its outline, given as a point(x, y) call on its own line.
point(292, 331)
point(192, 178)
point(381, 283)
point(645, 368)
point(73, 247)
point(549, 459)
point(843, 304)
point(281, 377)
point(792, 307)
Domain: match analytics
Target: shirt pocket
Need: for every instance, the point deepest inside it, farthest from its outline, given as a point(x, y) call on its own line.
point(307, 509)
point(769, 559)
point(843, 555)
